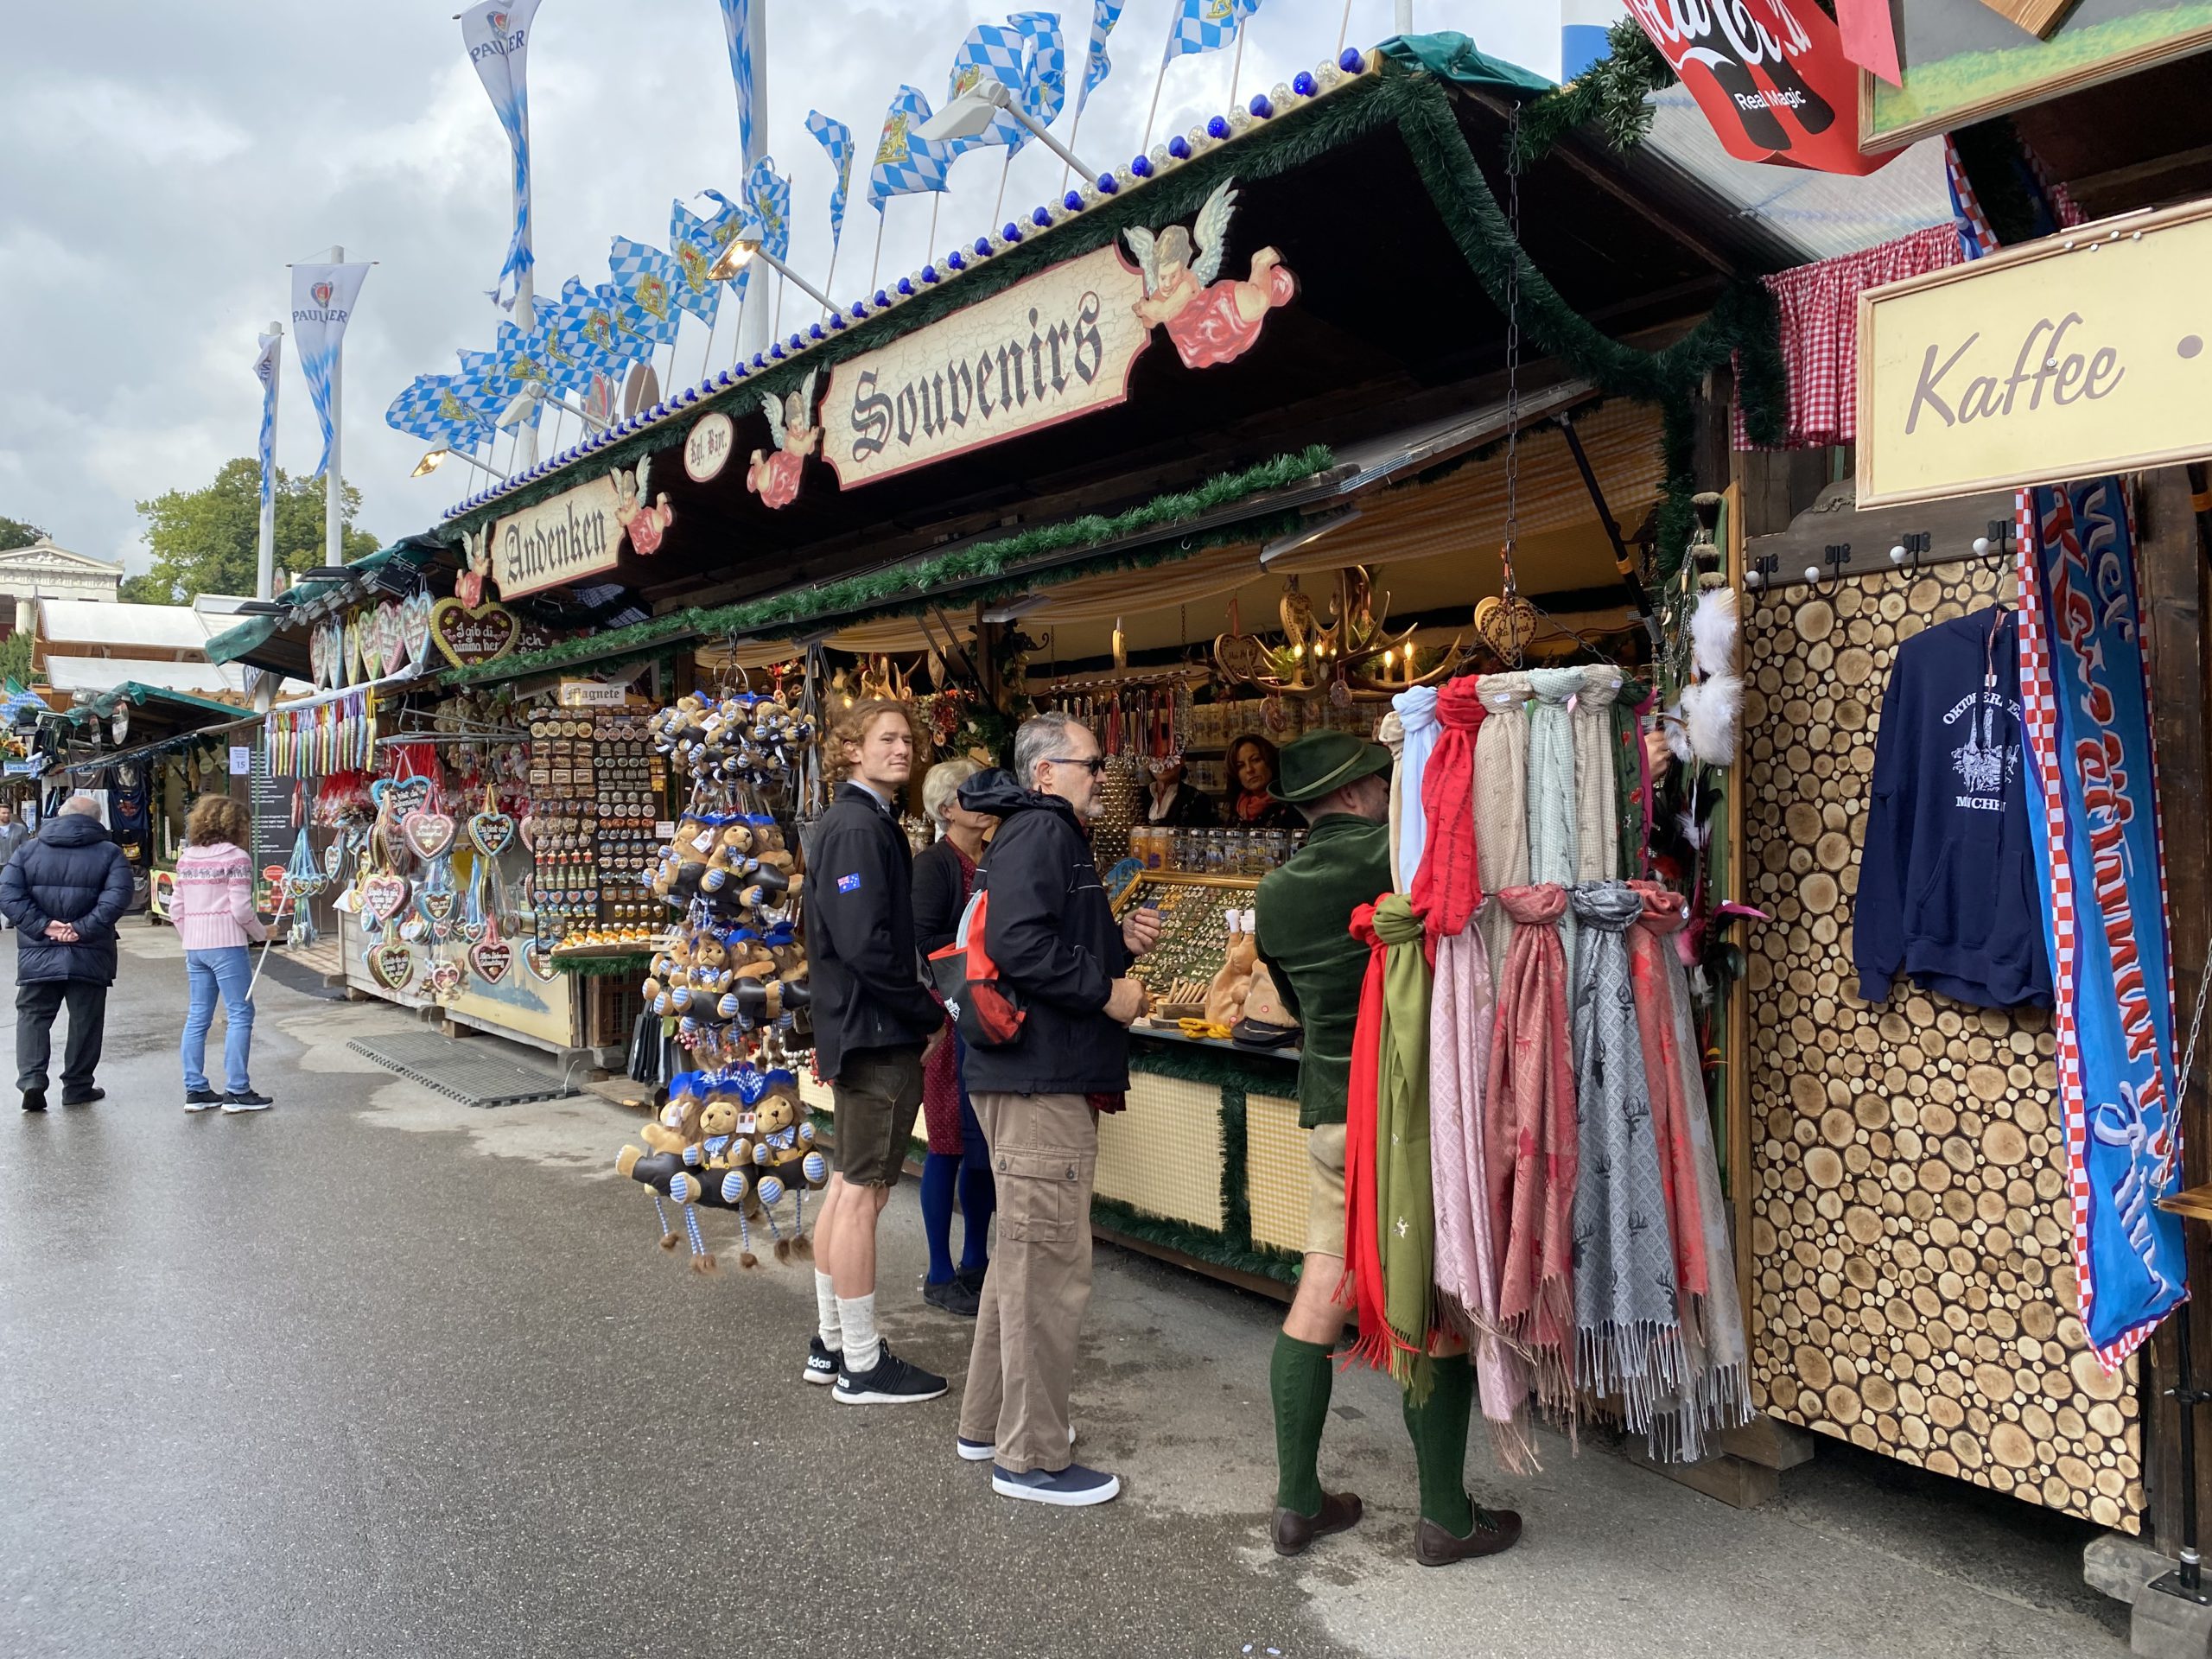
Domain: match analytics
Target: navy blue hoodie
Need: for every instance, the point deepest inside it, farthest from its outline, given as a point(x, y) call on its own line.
point(1948, 890)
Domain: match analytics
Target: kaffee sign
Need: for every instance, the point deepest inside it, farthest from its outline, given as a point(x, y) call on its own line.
point(2085, 353)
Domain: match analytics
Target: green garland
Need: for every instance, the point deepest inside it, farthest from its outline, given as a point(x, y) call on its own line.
point(604, 967)
point(1611, 93)
point(916, 586)
point(1186, 1238)
point(1186, 1063)
point(1236, 1200)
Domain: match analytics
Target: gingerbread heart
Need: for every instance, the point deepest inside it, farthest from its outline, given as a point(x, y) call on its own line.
point(391, 645)
point(381, 896)
point(435, 906)
point(471, 932)
point(443, 979)
point(414, 930)
point(319, 657)
point(430, 834)
point(465, 635)
point(333, 858)
point(491, 833)
point(442, 929)
point(415, 626)
point(392, 964)
point(410, 793)
point(492, 959)
point(538, 959)
point(354, 661)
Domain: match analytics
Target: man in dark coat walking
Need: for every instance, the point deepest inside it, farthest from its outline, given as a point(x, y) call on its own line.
point(64, 892)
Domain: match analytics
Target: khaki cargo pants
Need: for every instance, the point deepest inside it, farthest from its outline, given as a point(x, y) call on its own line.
point(1045, 1155)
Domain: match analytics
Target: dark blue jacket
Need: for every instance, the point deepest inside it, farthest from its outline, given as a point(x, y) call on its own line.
point(72, 873)
point(863, 971)
point(1947, 892)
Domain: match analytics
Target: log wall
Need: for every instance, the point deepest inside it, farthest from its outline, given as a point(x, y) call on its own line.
point(1913, 1289)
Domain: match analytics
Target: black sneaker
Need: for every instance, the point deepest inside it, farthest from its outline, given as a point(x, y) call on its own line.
point(972, 1277)
point(85, 1099)
point(823, 1363)
point(247, 1101)
point(954, 1297)
point(892, 1383)
point(34, 1100)
point(199, 1100)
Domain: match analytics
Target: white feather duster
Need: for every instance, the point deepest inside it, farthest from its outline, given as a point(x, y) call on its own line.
point(1675, 724)
point(1710, 710)
point(1712, 631)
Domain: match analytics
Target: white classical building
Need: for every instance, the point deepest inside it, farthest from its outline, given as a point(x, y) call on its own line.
point(45, 571)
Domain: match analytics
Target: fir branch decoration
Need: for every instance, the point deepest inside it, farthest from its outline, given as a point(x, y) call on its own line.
point(1611, 93)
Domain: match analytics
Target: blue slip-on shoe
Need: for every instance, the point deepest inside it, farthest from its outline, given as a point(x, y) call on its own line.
point(1072, 1487)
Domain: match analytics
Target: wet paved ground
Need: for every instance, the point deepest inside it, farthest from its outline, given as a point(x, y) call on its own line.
point(374, 1374)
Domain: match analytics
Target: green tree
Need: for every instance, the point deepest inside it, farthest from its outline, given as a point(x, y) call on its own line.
point(14, 532)
point(205, 540)
point(15, 658)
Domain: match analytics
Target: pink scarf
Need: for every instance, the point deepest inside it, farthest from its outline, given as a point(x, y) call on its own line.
point(1649, 946)
point(1534, 1152)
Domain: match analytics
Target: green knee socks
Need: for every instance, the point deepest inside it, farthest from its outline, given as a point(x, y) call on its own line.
point(1298, 1378)
point(1439, 1427)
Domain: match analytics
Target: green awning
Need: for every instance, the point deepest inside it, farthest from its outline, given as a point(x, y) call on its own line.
point(248, 636)
point(1450, 56)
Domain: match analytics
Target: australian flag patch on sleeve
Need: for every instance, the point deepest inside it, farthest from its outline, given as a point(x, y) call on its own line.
point(849, 884)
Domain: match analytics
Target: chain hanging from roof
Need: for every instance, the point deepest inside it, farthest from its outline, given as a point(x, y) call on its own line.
point(1506, 621)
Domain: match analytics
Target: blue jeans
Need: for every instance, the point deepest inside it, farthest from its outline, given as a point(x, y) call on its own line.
point(229, 970)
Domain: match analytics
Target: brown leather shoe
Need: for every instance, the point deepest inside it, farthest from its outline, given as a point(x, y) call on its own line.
point(1293, 1532)
point(1496, 1530)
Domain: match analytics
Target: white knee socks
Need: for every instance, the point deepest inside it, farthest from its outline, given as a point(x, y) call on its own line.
point(825, 1312)
point(862, 1348)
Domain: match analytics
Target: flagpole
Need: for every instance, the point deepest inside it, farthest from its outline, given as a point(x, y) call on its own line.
point(333, 479)
point(829, 283)
point(1075, 131)
point(753, 330)
point(936, 200)
point(875, 265)
point(776, 315)
point(707, 357)
point(1236, 61)
point(1152, 114)
point(264, 562)
point(998, 210)
point(1345, 27)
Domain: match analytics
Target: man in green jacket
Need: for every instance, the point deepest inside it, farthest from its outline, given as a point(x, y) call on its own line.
point(1342, 784)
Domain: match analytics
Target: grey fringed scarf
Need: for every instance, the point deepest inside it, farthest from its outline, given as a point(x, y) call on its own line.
point(1627, 1311)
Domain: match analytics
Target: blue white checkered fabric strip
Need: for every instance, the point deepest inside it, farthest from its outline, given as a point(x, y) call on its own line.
point(322, 302)
point(737, 20)
point(767, 213)
point(1206, 25)
point(482, 386)
point(564, 370)
point(994, 51)
point(836, 139)
point(647, 279)
point(265, 369)
point(497, 40)
point(514, 365)
point(633, 344)
point(1975, 236)
point(1096, 66)
point(906, 162)
point(694, 243)
point(587, 329)
point(430, 408)
point(1044, 66)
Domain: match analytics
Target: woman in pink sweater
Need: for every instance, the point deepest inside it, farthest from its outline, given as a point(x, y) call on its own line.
point(213, 911)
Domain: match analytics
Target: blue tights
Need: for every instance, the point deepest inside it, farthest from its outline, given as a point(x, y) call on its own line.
point(943, 1173)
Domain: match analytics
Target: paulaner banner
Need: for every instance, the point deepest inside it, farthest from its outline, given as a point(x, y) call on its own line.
point(498, 39)
point(322, 304)
point(2094, 803)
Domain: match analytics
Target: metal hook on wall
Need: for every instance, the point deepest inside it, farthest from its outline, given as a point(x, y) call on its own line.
point(1835, 556)
point(1911, 545)
point(2003, 539)
point(1760, 572)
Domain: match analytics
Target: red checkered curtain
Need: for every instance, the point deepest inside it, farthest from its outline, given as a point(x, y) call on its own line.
point(1819, 319)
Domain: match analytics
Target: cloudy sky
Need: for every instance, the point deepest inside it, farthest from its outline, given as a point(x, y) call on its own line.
point(161, 164)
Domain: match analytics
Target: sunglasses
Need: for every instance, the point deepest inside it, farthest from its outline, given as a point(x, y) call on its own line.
point(1094, 766)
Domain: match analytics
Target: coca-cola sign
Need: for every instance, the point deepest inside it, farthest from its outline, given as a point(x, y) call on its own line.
point(1770, 76)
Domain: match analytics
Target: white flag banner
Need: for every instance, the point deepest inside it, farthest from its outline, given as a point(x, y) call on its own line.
point(498, 39)
point(322, 301)
point(265, 370)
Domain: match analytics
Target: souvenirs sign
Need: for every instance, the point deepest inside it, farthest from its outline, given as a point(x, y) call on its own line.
point(576, 533)
point(464, 635)
point(2075, 356)
point(1052, 347)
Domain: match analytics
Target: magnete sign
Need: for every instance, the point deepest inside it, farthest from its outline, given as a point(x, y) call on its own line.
point(2086, 352)
point(575, 533)
point(1052, 347)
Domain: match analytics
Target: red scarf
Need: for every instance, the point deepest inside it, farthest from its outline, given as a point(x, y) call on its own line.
point(1531, 1143)
point(1448, 889)
point(1250, 807)
point(1648, 941)
point(1363, 1248)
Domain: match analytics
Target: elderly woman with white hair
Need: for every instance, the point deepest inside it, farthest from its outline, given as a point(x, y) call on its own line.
point(944, 874)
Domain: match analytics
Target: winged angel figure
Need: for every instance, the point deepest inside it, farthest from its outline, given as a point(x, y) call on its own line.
point(773, 474)
point(1209, 321)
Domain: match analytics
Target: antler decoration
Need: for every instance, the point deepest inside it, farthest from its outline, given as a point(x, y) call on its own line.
point(1346, 648)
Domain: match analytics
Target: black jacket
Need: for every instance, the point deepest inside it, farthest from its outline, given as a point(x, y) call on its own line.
point(72, 873)
point(1187, 808)
point(1949, 893)
point(1053, 936)
point(940, 895)
point(862, 969)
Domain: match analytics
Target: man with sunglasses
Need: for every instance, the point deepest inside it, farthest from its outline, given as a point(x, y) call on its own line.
point(1052, 934)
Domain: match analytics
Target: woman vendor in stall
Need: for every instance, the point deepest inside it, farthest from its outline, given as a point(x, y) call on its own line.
point(1253, 765)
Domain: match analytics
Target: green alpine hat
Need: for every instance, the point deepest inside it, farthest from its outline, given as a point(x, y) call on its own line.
point(1322, 761)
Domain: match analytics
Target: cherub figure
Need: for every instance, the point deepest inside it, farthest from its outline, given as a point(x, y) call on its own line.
point(1209, 321)
point(641, 524)
point(773, 475)
point(468, 587)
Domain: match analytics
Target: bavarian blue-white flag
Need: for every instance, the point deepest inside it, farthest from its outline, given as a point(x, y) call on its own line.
point(563, 370)
point(737, 24)
point(997, 52)
point(1104, 14)
point(837, 138)
point(1206, 25)
point(695, 240)
point(906, 162)
point(647, 280)
point(431, 408)
point(498, 39)
point(265, 369)
point(1044, 66)
point(767, 208)
point(322, 301)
